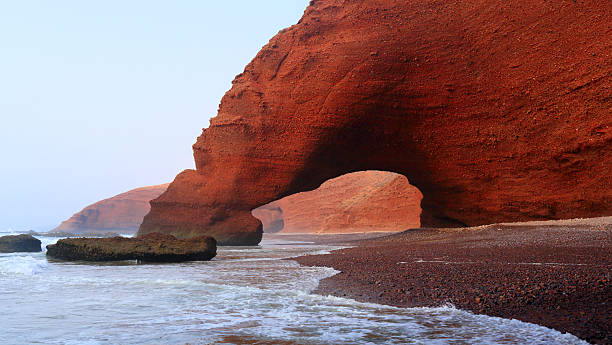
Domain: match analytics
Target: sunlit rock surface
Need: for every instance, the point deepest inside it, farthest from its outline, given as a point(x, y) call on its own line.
point(357, 202)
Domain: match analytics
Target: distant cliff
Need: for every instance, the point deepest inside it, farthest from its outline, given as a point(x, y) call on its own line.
point(357, 202)
point(122, 213)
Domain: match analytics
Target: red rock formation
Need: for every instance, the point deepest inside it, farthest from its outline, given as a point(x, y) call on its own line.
point(358, 202)
point(496, 110)
point(122, 213)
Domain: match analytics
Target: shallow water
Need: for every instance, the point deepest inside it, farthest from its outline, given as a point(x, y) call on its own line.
point(245, 295)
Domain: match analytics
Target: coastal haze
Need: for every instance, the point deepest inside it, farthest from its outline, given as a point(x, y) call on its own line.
point(100, 98)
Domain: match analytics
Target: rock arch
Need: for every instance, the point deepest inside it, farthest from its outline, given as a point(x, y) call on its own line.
point(496, 111)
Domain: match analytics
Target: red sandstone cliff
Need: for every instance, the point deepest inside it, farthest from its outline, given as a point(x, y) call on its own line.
point(357, 202)
point(497, 110)
point(122, 213)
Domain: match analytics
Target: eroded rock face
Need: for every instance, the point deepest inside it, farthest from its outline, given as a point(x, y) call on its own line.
point(153, 247)
point(122, 213)
point(497, 111)
point(19, 243)
point(358, 202)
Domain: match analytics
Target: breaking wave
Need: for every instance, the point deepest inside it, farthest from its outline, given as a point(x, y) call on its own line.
point(23, 265)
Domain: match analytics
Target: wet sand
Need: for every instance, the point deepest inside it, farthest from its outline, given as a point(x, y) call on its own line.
point(556, 274)
point(328, 238)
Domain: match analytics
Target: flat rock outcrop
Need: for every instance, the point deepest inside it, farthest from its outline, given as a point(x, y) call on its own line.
point(19, 243)
point(153, 247)
point(122, 213)
point(496, 111)
point(357, 202)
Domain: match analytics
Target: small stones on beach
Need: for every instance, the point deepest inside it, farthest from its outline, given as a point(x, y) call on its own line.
point(572, 296)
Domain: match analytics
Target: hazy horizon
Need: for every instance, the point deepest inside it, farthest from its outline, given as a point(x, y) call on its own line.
point(100, 98)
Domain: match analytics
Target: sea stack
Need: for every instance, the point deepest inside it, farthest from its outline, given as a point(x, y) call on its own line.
point(496, 111)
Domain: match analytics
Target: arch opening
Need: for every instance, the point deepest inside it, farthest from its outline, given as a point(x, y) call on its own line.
point(357, 202)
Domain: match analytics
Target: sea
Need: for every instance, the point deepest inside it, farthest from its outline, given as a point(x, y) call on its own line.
point(245, 295)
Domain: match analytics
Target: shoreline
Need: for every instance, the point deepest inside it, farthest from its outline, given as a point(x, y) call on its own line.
point(554, 274)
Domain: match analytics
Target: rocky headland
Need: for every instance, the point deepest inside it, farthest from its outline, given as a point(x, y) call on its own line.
point(19, 243)
point(120, 214)
point(556, 274)
point(497, 111)
point(358, 202)
point(152, 247)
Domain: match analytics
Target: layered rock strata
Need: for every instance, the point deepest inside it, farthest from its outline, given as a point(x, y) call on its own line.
point(122, 213)
point(358, 202)
point(153, 247)
point(19, 243)
point(496, 110)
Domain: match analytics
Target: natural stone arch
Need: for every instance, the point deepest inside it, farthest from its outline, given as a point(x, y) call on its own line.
point(363, 201)
point(425, 89)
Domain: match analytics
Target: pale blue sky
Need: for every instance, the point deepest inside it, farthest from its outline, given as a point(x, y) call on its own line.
point(98, 97)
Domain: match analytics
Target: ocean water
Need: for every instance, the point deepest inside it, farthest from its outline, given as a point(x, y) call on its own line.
point(246, 295)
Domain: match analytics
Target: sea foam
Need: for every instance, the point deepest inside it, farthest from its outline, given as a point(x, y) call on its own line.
point(25, 265)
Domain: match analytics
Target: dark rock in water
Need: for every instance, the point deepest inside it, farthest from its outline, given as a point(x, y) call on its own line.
point(153, 247)
point(19, 243)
